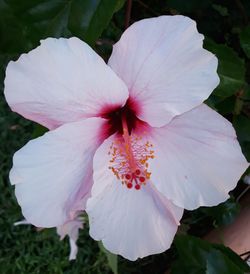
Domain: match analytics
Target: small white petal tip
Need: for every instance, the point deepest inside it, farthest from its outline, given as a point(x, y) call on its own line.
point(23, 222)
point(246, 180)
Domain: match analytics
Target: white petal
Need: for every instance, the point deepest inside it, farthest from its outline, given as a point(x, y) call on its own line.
point(52, 172)
point(23, 222)
point(198, 159)
point(165, 67)
point(246, 179)
point(73, 249)
point(62, 80)
point(71, 228)
point(132, 223)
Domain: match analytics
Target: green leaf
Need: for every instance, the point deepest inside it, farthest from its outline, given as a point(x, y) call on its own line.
point(224, 213)
point(242, 127)
point(231, 255)
point(196, 256)
point(223, 11)
point(217, 262)
point(38, 131)
point(12, 32)
point(85, 19)
point(88, 18)
point(220, 215)
point(246, 93)
point(231, 69)
point(112, 258)
point(224, 105)
point(119, 4)
point(42, 18)
point(245, 41)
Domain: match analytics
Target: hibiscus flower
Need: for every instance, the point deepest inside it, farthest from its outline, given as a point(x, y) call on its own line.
point(129, 142)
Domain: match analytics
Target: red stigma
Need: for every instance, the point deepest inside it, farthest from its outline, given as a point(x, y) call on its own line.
point(127, 176)
point(142, 179)
point(129, 185)
point(137, 187)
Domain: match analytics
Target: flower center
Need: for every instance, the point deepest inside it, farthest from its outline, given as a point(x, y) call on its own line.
point(129, 158)
point(114, 116)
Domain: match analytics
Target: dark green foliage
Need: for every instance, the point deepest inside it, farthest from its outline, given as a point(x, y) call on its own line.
point(242, 127)
point(223, 214)
point(89, 18)
point(83, 18)
point(220, 215)
point(188, 6)
point(245, 41)
point(196, 256)
point(231, 69)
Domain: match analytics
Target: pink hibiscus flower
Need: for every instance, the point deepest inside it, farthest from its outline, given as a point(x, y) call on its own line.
point(129, 142)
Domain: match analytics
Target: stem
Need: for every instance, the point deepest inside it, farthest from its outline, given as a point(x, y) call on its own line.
point(128, 13)
point(243, 193)
point(238, 104)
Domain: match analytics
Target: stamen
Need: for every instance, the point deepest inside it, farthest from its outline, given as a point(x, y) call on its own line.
point(129, 158)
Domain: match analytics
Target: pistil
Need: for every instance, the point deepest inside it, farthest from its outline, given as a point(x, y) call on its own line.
point(127, 142)
point(130, 155)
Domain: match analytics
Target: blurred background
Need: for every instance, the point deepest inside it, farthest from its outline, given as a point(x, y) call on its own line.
point(226, 26)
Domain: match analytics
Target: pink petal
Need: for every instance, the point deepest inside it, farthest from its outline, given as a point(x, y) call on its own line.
point(61, 81)
point(165, 67)
point(52, 172)
point(132, 223)
point(198, 159)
